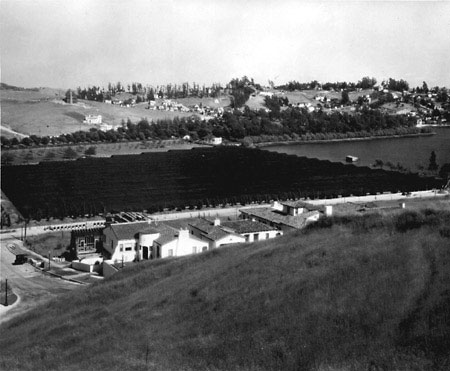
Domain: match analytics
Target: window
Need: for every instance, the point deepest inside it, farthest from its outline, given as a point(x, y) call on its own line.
point(128, 248)
point(256, 237)
point(247, 237)
point(170, 252)
point(120, 247)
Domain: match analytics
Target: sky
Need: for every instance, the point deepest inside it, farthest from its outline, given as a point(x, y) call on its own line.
point(66, 44)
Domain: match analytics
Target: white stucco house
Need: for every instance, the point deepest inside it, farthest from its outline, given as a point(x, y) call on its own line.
point(252, 230)
point(179, 243)
point(213, 233)
point(286, 215)
point(125, 241)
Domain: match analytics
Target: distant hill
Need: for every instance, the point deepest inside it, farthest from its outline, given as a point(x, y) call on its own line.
point(367, 293)
point(4, 86)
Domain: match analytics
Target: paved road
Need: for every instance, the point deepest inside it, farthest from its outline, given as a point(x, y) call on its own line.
point(32, 287)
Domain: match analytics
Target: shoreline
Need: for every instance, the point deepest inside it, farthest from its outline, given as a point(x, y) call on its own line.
point(358, 139)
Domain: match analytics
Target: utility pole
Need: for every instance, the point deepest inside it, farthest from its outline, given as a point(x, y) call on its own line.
point(6, 293)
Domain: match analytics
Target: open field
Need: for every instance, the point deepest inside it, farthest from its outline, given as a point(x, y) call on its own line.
point(356, 294)
point(188, 179)
point(34, 155)
point(41, 114)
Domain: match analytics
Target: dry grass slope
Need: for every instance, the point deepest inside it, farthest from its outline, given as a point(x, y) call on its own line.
point(351, 294)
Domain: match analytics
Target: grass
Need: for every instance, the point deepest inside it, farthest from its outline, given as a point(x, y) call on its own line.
point(56, 243)
point(44, 113)
point(34, 155)
point(343, 297)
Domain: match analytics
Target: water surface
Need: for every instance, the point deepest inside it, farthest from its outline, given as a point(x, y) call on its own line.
point(410, 152)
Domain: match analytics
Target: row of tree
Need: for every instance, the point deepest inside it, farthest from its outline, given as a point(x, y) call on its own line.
point(233, 125)
point(365, 83)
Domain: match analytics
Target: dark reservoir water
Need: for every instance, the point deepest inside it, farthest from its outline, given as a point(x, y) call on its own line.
point(409, 152)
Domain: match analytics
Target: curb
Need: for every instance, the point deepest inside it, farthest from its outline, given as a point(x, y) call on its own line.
point(59, 276)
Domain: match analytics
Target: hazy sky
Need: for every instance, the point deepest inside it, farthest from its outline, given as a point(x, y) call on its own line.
point(65, 44)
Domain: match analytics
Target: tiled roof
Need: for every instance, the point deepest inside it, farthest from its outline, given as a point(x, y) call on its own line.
point(247, 226)
point(128, 231)
point(209, 230)
point(274, 216)
point(203, 225)
point(300, 203)
point(165, 238)
point(216, 234)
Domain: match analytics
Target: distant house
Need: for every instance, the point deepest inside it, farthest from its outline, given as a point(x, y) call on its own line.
point(286, 215)
point(106, 127)
point(93, 119)
point(266, 94)
point(213, 233)
point(215, 141)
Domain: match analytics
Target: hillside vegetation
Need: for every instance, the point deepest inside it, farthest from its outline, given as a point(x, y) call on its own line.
point(355, 293)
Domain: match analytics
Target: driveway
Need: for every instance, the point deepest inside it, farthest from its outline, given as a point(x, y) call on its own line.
point(30, 285)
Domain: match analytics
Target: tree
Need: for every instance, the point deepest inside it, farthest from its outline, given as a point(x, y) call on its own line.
point(69, 153)
point(91, 151)
point(378, 163)
point(345, 97)
point(433, 166)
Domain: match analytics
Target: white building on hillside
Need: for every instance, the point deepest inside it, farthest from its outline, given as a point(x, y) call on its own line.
point(93, 119)
point(213, 233)
point(125, 241)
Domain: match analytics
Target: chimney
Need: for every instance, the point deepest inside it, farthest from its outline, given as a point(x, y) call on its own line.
point(183, 234)
point(216, 222)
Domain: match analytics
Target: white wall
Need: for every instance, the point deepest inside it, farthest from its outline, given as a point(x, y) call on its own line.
point(227, 240)
point(146, 240)
point(183, 245)
point(262, 235)
point(119, 250)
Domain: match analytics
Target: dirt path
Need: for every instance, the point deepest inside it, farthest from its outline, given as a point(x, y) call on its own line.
point(10, 131)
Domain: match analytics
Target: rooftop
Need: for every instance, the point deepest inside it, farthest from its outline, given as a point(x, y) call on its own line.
point(300, 203)
point(277, 217)
point(128, 231)
point(247, 226)
point(209, 230)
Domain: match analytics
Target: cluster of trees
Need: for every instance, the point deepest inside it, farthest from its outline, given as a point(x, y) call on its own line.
point(235, 125)
point(365, 83)
point(147, 93)
point(397, 85)
point(241, 89)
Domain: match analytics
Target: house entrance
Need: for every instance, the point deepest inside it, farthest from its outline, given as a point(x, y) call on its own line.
point(144, 252)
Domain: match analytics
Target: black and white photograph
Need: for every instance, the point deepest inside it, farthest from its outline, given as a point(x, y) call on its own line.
point(225, 185)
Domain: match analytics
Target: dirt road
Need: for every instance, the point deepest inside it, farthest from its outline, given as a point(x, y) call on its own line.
point(30, 285)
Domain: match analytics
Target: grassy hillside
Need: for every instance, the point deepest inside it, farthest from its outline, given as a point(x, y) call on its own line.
point(351, 294)
point(44, 113)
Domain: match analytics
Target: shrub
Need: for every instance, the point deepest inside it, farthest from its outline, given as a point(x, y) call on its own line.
point(409, 220)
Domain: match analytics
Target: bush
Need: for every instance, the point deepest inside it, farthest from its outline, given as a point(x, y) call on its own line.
point(91, 151)
point(409, 220)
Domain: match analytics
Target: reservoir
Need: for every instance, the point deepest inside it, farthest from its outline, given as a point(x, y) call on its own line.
point(410, 152)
